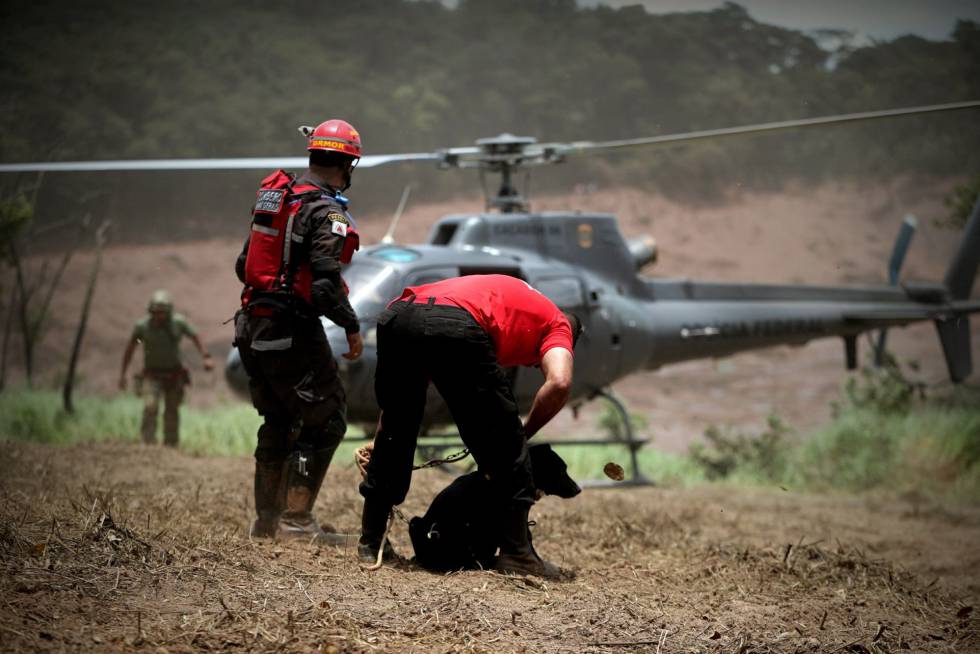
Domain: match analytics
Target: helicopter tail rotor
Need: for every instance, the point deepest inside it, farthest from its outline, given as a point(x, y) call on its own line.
point(963, 270)
point(954, 330)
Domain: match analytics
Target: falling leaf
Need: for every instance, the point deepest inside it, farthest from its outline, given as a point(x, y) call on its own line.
point(614, 471)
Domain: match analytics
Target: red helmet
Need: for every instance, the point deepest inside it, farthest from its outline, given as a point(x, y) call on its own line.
point(335, 136)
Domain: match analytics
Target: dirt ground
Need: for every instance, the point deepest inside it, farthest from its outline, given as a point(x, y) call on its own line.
point(117, 547)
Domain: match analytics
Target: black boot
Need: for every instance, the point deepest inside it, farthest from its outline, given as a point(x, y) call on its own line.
point(268, 498)
point(517, 555)
point(304, 475)
point(374, 521)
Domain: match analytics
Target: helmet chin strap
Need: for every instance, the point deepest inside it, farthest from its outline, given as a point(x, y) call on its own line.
point(348, 172)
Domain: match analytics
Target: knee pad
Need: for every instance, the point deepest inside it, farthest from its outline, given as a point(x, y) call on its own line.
point(323, 436)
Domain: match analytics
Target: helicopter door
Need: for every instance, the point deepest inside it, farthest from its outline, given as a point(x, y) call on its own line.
point(593, 365)
point(598, 352)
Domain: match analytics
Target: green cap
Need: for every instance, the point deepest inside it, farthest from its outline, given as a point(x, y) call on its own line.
point(161, 301)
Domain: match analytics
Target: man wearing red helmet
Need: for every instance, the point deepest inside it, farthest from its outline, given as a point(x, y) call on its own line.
point(300, 235)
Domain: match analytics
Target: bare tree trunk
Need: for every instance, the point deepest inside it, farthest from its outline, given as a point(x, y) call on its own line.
point(42, 314)
point(83, 322)
point(30, 327)
point(24, 296)
point(8, 327)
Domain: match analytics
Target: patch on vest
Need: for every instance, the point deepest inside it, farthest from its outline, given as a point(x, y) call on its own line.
point(269, 200)
point(338, 218)
point(338, 228)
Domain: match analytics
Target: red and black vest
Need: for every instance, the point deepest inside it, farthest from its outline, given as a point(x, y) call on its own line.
point(270, 264)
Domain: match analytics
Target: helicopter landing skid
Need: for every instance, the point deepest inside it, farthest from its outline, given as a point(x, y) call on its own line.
point(631, 442)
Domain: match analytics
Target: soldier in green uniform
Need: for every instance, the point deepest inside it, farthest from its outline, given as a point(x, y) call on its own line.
point(164, 375)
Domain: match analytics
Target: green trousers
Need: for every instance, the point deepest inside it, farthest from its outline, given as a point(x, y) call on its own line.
point(171, 392)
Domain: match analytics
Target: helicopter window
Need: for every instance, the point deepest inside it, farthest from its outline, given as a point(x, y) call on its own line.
point(371, 287)
point(430, 275)
point(444, 233)
point(563, 291)
point(396, 254)
point(491, 270)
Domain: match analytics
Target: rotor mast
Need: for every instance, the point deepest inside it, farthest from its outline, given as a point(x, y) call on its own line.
point(503, 154)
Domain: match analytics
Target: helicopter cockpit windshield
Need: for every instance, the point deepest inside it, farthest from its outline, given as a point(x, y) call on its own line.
point(372, 287)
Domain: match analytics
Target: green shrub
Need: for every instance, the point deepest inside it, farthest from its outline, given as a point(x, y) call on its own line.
point(754, 458)
point(888, 432)
point(885, 389)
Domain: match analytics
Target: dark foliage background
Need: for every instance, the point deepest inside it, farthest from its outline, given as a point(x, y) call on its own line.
point(102, 79)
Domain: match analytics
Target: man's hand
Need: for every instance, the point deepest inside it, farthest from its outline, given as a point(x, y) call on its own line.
point(355, 345)
point(362, 456)
point(208, 363)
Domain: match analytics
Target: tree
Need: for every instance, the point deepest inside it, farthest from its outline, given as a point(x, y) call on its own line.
point(32, 297)
point(961, 202)
point(76, 349)
point(14, 214)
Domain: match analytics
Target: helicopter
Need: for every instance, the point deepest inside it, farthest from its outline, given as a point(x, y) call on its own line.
point(583, 263)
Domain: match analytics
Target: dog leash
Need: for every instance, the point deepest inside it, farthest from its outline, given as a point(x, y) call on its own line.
point(452, 458)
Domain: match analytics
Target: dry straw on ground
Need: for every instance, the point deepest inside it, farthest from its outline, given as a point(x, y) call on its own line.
point(118, 547)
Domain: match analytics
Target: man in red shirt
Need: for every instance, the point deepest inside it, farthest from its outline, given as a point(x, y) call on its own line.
point(460, 334)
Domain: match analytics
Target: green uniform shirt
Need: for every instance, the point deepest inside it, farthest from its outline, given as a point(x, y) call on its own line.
point(161, 344)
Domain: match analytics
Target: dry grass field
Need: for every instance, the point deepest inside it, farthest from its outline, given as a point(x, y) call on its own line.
point(116, 547)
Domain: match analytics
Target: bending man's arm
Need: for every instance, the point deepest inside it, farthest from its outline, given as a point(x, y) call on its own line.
point(557, 366)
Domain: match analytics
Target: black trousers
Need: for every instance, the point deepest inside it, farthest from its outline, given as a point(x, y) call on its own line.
point(292, 380)
point(419, 343)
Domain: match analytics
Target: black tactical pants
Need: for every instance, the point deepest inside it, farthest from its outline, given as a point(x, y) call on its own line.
point(293, 382)
point(421, 342)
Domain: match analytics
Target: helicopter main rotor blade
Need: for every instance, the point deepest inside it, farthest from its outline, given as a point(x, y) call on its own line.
point(584, 147)
point(243, 163)
point(510, 151)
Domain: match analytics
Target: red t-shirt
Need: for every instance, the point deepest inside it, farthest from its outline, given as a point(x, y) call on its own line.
point(522, 322)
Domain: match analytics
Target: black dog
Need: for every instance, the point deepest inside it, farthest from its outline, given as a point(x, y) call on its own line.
point(457, 532)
